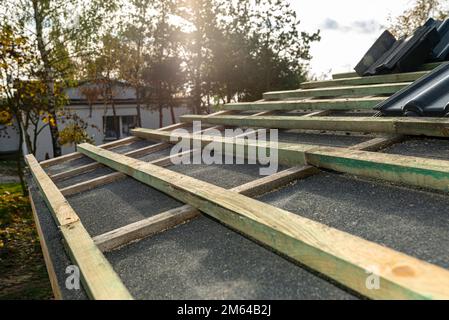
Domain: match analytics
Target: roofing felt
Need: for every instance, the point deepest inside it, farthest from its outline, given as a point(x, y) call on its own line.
point(203, 258)
point(427, 96)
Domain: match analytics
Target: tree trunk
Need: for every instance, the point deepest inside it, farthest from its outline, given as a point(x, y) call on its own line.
point(161, 116)
point(20, 155)
point(47, 77)
point(25, 127)
point(139, 114)
point(172, 112)
point(116, 121)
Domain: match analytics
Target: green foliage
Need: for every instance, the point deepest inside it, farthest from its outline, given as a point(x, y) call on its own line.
point(215, 51)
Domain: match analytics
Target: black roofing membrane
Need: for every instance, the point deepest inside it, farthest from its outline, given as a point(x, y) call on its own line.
point(422, 147)
point(223, 175)
point(362, 113)
point(408, 220)
point(203, 259)
point(340, 139)
point(68, 165)
point(105, 170)
point(132, 146)
point(84, 177)
point(118, 204)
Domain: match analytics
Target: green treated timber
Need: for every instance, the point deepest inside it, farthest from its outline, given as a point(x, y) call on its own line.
point(98, 277)
point(388, 78)
point(429, 66)
point(415, 171)
point(344, 75)
point(424, 67)
point(338, 255)
point(346, 91)
point(318, 104)
point(432, 127)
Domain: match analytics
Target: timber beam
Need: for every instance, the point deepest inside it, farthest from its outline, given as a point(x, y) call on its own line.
point(432, 127)
point(424, 67)
point(338, 255)
point(309, 104)
point(171, 218)
point(387, 78)
point(99, 279)
point(368, 90)
point(415, 171)
point(77, 155)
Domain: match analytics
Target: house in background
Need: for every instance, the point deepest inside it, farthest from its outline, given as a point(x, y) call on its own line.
point(87, 103)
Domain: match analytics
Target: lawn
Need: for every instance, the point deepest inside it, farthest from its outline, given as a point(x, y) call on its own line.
point(22, 269)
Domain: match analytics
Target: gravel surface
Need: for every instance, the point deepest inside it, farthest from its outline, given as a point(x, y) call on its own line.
point(205, 260)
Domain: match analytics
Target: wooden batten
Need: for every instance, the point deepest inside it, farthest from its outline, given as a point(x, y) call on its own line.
point(368, 90)
point(309, 104)
point(77, 155)
point(353, 81)
point(171, 218)
point(432, 127)
point(99, 279)
point(338, 255)
point(421, 172)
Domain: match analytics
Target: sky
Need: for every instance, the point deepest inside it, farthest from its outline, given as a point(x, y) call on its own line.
point(348, 29)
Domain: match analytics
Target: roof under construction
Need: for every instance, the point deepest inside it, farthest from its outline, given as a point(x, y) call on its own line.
point(355, 194)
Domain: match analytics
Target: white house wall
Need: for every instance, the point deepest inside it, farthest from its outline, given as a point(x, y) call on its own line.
point(150, 119)
point(9, 139)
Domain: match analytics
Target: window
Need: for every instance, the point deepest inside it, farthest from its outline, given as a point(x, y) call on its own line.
point(128, 123)
point(110, 127)
point(122, 124)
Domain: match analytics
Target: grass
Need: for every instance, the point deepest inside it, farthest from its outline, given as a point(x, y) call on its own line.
point(22, 269)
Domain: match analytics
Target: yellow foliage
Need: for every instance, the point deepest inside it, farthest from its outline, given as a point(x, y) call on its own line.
point(73, 133)
point(5, 118)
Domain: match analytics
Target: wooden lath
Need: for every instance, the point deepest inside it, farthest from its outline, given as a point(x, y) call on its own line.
point(415, 171)
point(342, 257)
point(387, 78)
point(108, 178)
point(356, 91)
point(95, 165)
point(309, 104)
point(171, 218)
point(424, 67)
point(432, 127)
point(99, 279)
point(77, 155)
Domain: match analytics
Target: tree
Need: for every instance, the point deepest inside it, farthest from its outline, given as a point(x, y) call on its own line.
point(62, 32)
point(75, 132)
point(15, 61)
point(163, 74)
point(417, 15)
point(240, 49)
point(136, 37)
point(201, 16)
point(102, 71)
